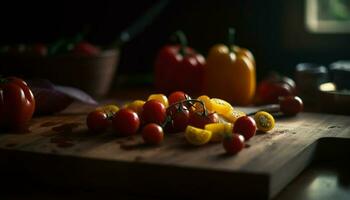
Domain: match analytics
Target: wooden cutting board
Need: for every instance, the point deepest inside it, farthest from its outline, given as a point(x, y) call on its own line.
point(59, 150)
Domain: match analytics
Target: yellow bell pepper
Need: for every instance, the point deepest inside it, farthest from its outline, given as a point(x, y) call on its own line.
point(230, 73)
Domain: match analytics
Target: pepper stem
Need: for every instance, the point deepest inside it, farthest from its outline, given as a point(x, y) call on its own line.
point(231, 38)
point(180, 35)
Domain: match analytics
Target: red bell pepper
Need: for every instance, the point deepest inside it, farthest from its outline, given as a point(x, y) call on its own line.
point(179, 67)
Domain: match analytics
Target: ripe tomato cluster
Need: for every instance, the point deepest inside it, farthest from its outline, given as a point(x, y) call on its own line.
point(203, 120)
point(151, 117)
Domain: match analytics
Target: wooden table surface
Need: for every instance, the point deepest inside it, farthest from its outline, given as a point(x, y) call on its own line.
point(59, 150)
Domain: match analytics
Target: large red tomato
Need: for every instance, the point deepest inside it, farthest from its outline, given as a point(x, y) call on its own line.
point(17, 103)
point(273, 87)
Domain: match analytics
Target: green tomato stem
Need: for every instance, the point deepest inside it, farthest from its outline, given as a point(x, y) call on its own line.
point(166, 121)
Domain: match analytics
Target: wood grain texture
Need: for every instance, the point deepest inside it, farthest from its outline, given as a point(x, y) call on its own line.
point(60, 150)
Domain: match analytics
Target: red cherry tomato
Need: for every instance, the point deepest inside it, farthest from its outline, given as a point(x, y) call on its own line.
point(39, 49)
point(180, 119)
point(234, 144)
point(153, 112)
point(86, 49)
point(199, 120)
point(171, 111)
point(152, 134)
point(176, 97)
point(291, 105)
point(97, 121)
point(245, 126)
point(126, 122)
point(290, 82)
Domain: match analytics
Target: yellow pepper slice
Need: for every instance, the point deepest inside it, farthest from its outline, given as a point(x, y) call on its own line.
point(264, 121)
point(159, 97)
point(219, 130)
point(221, 106)
point(207, 103)
point(136, 106)
point(110, 109)
point(197, 136)
point(233, 116)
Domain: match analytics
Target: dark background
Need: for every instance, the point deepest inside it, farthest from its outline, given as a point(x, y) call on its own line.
point(273, 30)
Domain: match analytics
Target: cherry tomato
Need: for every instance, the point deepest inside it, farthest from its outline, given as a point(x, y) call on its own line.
point(174, 112)
point(245, 126)
point(86, 49)
point(38, 49)
point(180, 119)
point(97, 121)
point(153, 112)
point(126, 122)
point(152, 134)
point(264, 121)
point(290, 82)
point(177, 96)
point(291, 105)
point(199, 120)
point(233, 144)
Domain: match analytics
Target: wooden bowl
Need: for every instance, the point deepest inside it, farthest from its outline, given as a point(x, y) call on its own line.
point(93, 74)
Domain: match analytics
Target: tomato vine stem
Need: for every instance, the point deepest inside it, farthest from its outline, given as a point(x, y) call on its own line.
point(180, 105)
point(191, 101)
